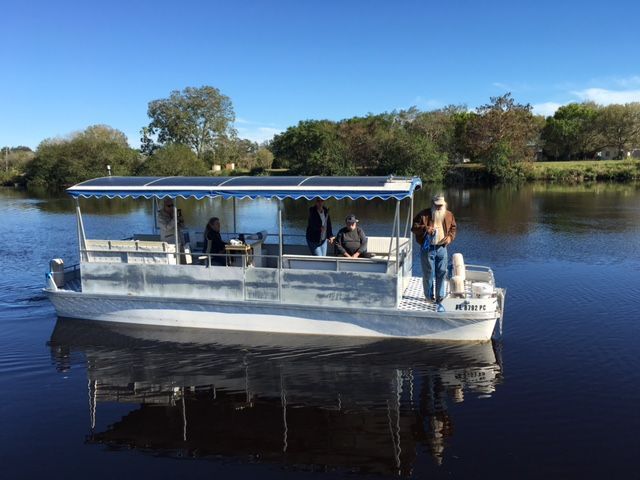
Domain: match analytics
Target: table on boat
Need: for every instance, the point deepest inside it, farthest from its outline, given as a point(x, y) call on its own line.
point(239, 255)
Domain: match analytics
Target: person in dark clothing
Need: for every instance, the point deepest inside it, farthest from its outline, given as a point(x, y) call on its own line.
point(319, 231)
point(213, 243)
point(351, 241)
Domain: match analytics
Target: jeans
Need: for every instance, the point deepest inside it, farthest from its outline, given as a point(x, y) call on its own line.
point(434, 259)
point(318, 249)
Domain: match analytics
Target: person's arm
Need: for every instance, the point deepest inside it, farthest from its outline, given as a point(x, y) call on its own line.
point(338, 242)
point(329, 229)
point(164, 220)
point(419, 227)
point(218, 243)
point(312, 223)
point(363, 242)
point(453, 229)
point(167, 228)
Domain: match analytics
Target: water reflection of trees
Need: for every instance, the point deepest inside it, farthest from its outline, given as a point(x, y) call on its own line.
point(501, 210)
point(506, 210)
point(587, 208)
point(358, 404)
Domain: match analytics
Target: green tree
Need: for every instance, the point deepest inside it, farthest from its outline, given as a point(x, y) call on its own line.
point(196, 117)
point(503, 134)
point(264, 158)
point(173, 160)
point(438, 127)
point(572, 132)
point(14, 161)
point(84, 155)
point(360, 137)
point(407, 152)
point(312, 147)
point(619, 126)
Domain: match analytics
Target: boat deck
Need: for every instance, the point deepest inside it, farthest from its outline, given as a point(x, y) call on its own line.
point(413, 298)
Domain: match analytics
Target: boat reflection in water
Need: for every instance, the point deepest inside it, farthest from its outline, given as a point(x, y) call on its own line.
point(312, 402)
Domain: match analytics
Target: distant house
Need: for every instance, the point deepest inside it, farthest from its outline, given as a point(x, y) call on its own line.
point(230, 166)
point(607, 153)
point(458, 159)
point(611, 153)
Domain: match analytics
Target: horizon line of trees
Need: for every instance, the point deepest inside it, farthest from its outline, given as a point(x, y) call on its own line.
point(503, 135)
point(192, 130)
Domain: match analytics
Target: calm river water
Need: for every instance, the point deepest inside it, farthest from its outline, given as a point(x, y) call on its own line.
point(557, 397)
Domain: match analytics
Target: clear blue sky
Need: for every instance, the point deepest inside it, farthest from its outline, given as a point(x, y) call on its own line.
point(70, 64)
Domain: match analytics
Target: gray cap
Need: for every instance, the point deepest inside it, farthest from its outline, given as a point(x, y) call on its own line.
point(351, 219)
point(438, 199)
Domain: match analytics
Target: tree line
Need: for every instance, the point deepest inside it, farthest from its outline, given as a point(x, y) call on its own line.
point(503, 135)
point(192, 130)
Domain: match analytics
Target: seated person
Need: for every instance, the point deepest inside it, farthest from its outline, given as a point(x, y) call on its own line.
point(213, 243)
point(167, 224)
point(351, 241)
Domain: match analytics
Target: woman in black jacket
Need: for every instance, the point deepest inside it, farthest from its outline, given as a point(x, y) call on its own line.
point(213, 242)
point(319, 229)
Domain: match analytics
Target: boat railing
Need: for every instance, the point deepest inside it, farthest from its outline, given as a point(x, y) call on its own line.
point(71, 272)
point(479, 273)
point(260, 277)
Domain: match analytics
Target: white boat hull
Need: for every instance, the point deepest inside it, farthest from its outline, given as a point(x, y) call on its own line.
point(274, 317)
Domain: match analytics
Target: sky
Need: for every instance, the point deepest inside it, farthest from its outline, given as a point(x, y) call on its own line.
point(67, 65)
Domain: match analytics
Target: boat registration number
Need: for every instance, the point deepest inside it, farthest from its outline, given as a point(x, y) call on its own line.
point(469, 307)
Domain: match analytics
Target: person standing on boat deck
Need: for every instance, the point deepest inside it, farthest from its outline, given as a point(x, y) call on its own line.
point(166, 223)
point(351, 241)
point(319, 230)
point(213, 243)
point(434, 229)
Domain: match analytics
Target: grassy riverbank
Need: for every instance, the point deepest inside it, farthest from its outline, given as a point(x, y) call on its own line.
point(556, 172)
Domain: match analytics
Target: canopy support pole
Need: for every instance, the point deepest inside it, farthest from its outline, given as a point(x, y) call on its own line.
point(235, 228)
point(82, 239)
point(154, 208)
point(410, 241)
point(397, 229)
point(406, 226)
point(175, 229)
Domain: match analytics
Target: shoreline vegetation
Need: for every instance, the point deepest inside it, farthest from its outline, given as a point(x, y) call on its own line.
point(503, 142)
point(565, 173)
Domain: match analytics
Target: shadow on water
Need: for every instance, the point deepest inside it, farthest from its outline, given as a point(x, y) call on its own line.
point(361, 405)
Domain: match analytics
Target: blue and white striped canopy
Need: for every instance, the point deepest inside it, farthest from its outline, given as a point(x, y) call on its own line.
point(385, 188)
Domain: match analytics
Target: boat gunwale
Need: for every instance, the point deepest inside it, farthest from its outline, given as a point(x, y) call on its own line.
point(391, 312)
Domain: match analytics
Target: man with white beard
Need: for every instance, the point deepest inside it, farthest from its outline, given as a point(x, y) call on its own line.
point(434, 229)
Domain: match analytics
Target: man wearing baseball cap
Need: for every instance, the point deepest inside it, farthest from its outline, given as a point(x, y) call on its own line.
point(351, 241)
point(434, 228)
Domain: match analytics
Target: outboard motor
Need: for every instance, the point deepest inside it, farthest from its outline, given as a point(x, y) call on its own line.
point(481, 289)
